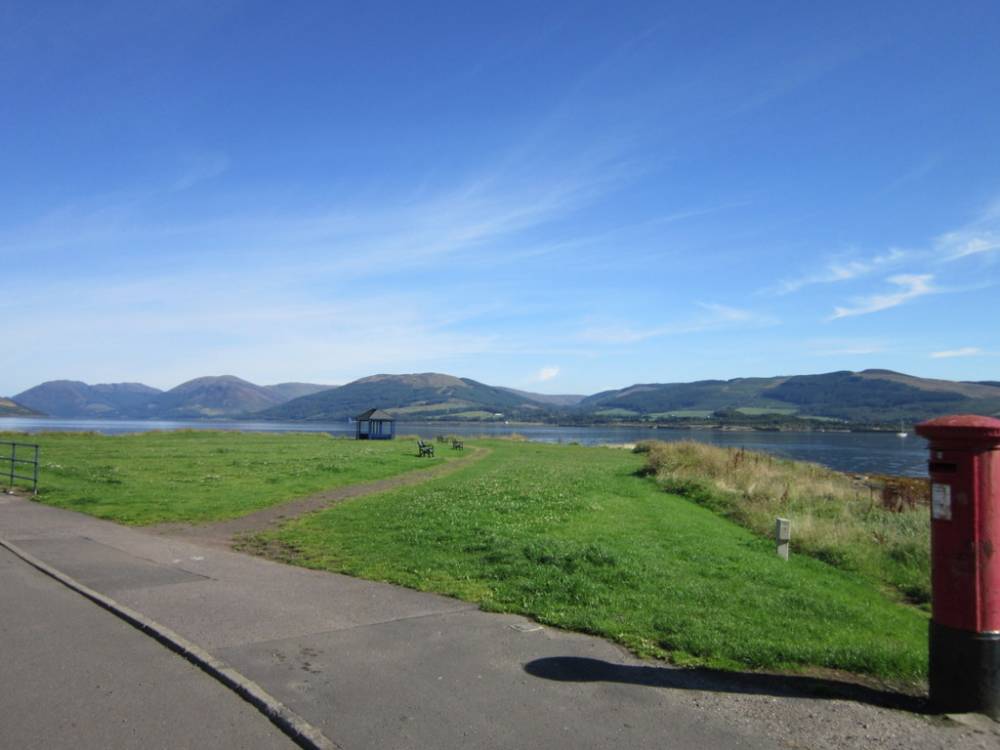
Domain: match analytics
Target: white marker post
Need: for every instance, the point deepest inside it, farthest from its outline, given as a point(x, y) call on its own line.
point(782, 536)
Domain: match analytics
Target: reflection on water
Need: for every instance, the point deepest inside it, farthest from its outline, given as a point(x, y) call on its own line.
point(859, 452)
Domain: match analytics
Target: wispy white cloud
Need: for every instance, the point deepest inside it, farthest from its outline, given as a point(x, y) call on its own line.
point(199, 168)
point(965, 351)
point(240, 323)
point(714, 317)
point(965, 242)
point(808, 68)
point(845, 347)
point(910, 286)
point(481, 214)
point(843, 269)
point(545, 374)
point(979, 237)
point(914, 174)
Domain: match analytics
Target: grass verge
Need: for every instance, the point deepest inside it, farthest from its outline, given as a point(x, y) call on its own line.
point(201, 476)
point(574, 538)
point(880, 532)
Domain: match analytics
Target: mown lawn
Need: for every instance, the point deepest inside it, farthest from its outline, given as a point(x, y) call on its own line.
point(201, 476)
point(573, 537)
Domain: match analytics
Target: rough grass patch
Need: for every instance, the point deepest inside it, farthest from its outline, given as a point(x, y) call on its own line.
point(876, 526)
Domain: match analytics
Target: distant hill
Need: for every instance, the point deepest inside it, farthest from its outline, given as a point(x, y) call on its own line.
point(985, 389)
point(215, 396)
point(867, 396)
point(705, 395)
point(71, 398)
point(547, 398)
point(9, 408)
point(288, 391)
point(419, 396)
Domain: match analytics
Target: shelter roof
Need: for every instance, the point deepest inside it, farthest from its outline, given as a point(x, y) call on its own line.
point(375, 414)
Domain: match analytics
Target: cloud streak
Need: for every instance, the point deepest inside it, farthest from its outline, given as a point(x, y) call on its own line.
point(199, 168)
point(980, 237)
point(479, 217)
point(841, 270)
point(714, 317)
point(845, 347)
point(549, 372)
point(910, 287)
point(965, 351)
point(966, 242)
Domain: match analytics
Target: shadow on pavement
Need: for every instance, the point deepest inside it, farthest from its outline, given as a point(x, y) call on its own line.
point(580, 669)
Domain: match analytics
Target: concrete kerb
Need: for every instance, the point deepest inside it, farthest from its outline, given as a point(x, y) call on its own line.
point(290, 723)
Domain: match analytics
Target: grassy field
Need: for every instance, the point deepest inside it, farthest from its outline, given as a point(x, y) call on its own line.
point(756, 411)
point(688, 413)
point(204, 476)
point(576, 538)
point(616, 413)
point(883, 536)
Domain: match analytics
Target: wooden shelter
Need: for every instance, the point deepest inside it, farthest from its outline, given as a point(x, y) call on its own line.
point(374, 424)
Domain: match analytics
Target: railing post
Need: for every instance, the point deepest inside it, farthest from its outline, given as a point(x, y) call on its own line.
point(34, 481)
point(13, 463)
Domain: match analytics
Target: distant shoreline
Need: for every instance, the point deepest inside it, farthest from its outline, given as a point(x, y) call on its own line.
point(631, 425)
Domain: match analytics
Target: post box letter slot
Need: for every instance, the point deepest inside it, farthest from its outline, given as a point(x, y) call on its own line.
point(941, 467)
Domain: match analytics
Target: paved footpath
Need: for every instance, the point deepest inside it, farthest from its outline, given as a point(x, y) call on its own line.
point(378, 666)
point(75, 676)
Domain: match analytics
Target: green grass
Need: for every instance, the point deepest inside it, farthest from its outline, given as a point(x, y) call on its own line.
point(201, 476)
point(573, 537)
point(443, 406)
point(835, 518)
point(684, 413)
point(756, 411)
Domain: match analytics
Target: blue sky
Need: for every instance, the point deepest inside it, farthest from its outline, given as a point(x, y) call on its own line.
point(557, 197)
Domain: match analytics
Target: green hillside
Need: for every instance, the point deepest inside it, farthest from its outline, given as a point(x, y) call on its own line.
point(700, 395)
point(71, 398)
point(873, 398)
point(419, 396)
point(9, 408)
point(215, 396)
point(870, 396)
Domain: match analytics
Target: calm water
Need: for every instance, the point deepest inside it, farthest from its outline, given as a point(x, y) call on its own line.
point(860, 452)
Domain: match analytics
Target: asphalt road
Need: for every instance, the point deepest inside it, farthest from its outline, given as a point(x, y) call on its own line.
point(75, 676)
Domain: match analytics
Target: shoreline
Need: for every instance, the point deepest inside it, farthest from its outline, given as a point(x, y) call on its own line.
point(708, 427)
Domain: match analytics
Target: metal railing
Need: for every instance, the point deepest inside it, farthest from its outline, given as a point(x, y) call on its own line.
point(13, 460)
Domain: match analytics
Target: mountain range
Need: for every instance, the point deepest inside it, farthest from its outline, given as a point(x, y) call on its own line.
point(213, 396)
point(869, 397)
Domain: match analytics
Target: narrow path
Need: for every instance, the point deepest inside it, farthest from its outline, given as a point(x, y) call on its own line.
point(223, 533)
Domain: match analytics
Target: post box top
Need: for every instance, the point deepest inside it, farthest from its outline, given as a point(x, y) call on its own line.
point(963, 427)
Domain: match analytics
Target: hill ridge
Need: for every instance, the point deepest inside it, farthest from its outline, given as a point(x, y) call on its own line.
point(865, 397)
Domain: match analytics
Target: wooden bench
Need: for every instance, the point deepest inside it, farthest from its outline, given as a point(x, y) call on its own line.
point(458, 445)
point(426, 449)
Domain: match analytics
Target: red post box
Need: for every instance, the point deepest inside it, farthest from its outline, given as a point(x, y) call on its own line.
point(964, 469)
